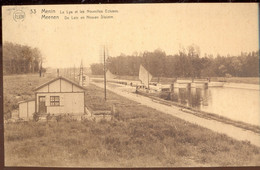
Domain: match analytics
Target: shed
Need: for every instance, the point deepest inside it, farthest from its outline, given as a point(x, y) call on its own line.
point(26, 109)
point(84, 80)
point(60, 96)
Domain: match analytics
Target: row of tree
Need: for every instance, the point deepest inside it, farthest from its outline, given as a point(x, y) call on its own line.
point(188, 63)
point(20, 59)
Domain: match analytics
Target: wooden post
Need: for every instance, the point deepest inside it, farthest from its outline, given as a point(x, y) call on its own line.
point(40, 69)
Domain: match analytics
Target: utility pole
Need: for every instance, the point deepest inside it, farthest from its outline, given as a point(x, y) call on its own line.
point(41, 69)
point(81, 74)
point(70, 72)
point(58, 72)
point(105, 90)
point(74, 72)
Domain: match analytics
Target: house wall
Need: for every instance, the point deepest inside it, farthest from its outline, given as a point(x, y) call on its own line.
point(55, 86)
point(23, 110)
point(70, 102)
point(31, 107)
point(76, 89)
point(26, 109)
point(66, 86)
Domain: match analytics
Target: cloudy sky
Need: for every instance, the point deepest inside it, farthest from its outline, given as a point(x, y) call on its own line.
point(215, 28)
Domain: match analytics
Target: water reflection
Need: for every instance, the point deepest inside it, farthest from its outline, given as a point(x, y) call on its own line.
point(236, 104)
point(193, 97)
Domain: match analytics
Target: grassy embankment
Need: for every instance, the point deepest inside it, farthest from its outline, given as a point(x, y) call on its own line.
point(141, 136)
point(19, 88)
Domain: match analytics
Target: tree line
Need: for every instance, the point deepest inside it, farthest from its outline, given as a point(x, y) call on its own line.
point(21, 59)
point(187, 63)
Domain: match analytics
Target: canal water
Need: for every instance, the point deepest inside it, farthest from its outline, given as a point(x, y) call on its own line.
point(236, 104)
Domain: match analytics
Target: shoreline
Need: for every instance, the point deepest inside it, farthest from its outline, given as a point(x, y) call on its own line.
point(206, 115)
point(242, 86)
point(238, 133)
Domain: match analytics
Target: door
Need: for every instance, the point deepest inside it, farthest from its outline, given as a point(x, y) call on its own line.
point(42, 105)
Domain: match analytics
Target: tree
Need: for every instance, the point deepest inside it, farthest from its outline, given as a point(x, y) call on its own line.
point(236, 66)
point(97, 69)
point(222, 70)
point(20, 58)
point(187, 63)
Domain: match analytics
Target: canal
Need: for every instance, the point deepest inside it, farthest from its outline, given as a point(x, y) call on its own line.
point(234, 103)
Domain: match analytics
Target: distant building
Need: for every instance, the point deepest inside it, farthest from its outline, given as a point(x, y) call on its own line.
point(84, 80)
point(58, 96)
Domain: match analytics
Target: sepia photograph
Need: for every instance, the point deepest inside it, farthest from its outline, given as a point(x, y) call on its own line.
point(131, 85)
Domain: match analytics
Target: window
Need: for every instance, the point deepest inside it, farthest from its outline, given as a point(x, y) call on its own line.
point(55, 100)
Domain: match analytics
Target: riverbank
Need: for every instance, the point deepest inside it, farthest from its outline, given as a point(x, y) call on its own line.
point(220, 127)
point(242, 86)
point(140, 137)
point(243, 80)
point(203, 114)
point(165, 80)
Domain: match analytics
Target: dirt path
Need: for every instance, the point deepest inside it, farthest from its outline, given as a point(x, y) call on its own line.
point(232, 131)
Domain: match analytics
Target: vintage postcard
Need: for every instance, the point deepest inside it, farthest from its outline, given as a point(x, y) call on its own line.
point(131, 85)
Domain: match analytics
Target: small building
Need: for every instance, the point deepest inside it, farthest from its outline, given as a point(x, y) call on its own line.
point(85, 80)
point(26, 109)
point(60, 96)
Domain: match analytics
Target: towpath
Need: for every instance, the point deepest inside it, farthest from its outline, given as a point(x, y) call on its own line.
point(219, 127)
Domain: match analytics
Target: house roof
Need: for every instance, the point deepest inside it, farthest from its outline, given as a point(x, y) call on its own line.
point(25, 101)
point(57, 78)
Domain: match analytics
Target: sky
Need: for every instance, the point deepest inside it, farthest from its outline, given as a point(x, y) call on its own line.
point(216, 28)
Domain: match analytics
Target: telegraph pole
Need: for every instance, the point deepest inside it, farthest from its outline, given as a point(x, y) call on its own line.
point(105, 90)
point(74, 72)
point(81, 74)
point(58, 72)
point(70, 72)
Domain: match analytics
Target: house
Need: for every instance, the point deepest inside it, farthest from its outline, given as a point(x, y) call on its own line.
point(60, 96)
point(56, 97)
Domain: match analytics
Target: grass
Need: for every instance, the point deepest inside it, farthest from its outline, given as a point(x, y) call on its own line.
point(18, 88)
point(139, 137)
